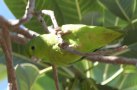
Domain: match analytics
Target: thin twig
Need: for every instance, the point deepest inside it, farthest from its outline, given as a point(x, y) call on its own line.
point(112, 51)
point(42, 21)
point(101, 58)
point(56, 27)
point(28, 12)
point(55, 76)
point(24, 31)
point(52, 16)
point(17, 38)
point(112, 59)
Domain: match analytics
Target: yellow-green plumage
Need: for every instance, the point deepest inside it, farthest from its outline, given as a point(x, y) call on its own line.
point(81, 37)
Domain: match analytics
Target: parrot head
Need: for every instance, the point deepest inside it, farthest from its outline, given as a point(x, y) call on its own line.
point(34, 47)
point(39, 46)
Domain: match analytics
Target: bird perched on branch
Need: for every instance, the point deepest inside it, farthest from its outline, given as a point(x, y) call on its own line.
point(80, 37)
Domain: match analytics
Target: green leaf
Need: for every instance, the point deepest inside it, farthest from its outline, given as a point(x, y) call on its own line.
point(116, 75)
point(26, 75)
point(105, 87)
point(129, 69)
point(44, 82)
point(131, 32)
point(122, 8)
point(74, 14)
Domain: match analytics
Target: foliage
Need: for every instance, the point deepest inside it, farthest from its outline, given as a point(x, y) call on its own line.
point(82, 75)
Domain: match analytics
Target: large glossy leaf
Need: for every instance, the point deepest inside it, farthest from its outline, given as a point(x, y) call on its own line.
point(125, 9)
point(74, 14)
point(117, 75)
point(26, 76)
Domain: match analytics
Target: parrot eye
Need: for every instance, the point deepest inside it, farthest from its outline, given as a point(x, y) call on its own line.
point(32, 47)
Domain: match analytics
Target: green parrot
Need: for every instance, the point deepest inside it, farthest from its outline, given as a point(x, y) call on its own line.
point(80, 37)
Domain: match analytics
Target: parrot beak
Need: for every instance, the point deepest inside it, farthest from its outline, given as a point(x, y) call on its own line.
point(35, 59)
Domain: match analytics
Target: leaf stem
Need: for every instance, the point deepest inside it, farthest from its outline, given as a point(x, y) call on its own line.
point(112, 77)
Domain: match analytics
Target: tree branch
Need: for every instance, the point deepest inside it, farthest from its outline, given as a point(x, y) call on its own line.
point(5, 43)
point(112, 59)
point(42, 21)
point(23, 31)
point(52, 16)
point(28, 13)
point(101, 57)
point(18, 38)
point(110, 51)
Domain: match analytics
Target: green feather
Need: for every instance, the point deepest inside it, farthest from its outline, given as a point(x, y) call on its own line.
point(81, 37)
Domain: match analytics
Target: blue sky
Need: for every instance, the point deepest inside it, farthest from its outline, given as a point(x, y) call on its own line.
point(4, 11)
